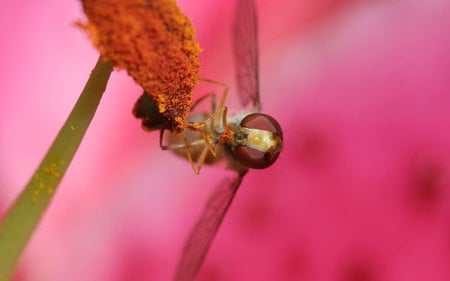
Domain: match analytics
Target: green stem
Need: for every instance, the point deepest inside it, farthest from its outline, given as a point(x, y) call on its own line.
point(24, 215)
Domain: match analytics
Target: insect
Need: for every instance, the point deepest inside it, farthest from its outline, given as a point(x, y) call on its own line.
point(249, 140)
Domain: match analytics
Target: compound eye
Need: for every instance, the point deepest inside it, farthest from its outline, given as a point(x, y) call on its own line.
point(261, 158)
point(262, 122)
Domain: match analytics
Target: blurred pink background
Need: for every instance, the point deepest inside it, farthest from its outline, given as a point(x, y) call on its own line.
point(361, 191)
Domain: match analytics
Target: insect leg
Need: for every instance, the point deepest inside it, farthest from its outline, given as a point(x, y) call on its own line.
point(184, 145)
point(224, 94)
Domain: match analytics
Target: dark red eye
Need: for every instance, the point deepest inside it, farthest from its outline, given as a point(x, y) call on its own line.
point(254, 153)
point(263, 122)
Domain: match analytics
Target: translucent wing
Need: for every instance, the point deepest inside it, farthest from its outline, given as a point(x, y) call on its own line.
point(245, 35)
point(205, 230)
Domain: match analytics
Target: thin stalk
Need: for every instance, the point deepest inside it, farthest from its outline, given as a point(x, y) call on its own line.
point(25, 213)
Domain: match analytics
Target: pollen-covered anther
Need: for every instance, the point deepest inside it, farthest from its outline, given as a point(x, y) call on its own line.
point(155, 42)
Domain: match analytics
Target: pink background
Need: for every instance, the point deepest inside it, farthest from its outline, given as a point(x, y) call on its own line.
point(361, 191)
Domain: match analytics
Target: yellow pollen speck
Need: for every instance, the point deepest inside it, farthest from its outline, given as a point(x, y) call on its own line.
point(195, 126)
point(36, 177)
point(36, 195)
point(161, 101)
point(52, 170)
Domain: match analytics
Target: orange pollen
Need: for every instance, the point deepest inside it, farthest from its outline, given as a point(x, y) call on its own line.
point(228, 134)
point(155, 42)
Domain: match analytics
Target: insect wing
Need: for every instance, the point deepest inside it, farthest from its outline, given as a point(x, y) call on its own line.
point(205, 230)
point(245, 36)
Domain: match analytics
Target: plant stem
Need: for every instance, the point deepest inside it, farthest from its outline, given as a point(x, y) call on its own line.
point(24, 215)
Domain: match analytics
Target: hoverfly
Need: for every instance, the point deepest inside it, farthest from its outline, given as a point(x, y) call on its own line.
point(249, 140)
